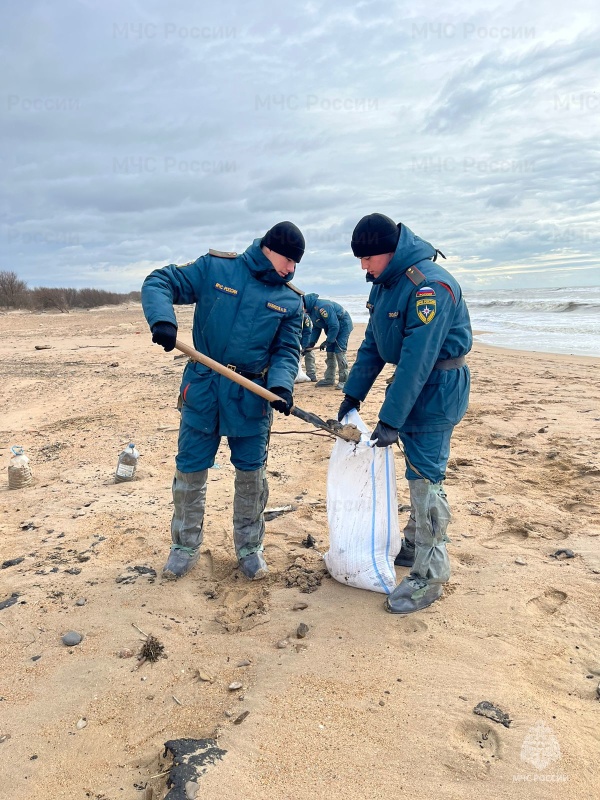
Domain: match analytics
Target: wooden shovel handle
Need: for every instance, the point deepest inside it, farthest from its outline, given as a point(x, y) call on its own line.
point(195, 355)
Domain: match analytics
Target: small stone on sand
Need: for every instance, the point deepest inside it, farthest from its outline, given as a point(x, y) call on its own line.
point(302, 630)
point(71, 638)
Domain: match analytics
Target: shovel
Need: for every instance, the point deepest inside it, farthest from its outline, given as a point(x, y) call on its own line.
point(348, 433)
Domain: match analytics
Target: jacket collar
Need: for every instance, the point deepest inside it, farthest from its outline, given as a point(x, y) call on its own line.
point(410, 250)
point(261, 268)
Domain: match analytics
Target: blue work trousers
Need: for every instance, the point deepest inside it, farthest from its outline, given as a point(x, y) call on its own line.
point(428, 453)
point(197, 450)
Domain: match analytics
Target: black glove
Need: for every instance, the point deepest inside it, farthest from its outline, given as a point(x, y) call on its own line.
point(385, 435)
point(164, 333)
point(323, 345)
point(284, 406)
point(348, 403)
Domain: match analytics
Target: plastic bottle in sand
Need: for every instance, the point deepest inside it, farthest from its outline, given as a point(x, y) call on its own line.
point(127, 464)
point(19, 471)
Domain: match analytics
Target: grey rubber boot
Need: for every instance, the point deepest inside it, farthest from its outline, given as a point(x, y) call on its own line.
point(432, 517)
point(342, 363)
point(189, 502)
point(310, 365)
point(412, 594)
point(431, 566)
point(406, 556)
point(329, 377)
point(250, 499)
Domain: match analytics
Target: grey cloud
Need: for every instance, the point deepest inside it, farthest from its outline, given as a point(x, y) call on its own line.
point(497, 80)
point(318, 113)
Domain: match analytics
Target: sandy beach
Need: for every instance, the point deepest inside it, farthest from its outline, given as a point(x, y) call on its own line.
point(366, 705)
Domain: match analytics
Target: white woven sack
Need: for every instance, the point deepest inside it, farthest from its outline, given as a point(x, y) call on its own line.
point(301, 377)
point(362, 510)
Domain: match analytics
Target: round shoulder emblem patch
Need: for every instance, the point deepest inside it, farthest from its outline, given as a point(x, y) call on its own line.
point(425, 308)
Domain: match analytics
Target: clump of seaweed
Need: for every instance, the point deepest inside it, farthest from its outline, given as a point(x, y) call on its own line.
point(151, 650)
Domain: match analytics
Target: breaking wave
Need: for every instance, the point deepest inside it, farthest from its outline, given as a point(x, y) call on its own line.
point(547, 306)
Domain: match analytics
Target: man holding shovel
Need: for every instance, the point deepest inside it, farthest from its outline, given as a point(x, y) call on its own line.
point(248, 317)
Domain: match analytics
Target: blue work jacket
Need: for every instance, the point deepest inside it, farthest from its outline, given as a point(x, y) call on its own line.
point(328, 316)
point(416, 318)
point(245, 316)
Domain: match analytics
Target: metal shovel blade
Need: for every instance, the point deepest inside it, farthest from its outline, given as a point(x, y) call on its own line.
point(349, 433)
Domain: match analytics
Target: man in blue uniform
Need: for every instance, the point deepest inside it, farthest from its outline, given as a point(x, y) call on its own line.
point(249, 317)
point(418, 320)
point(331, 317)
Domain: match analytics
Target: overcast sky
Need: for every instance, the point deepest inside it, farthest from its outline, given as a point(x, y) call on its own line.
point(138, 134)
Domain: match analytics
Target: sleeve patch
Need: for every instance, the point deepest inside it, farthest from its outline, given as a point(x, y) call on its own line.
point(225, 289)
point(371, 307)
point(275, 307)
point(425, 291)
point(426, 307)
point(323, 313)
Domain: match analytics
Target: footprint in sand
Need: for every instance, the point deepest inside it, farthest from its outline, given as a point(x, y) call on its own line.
point(481, 487)
point(516, 529)
point(547, 603)
point(467, 559)
point(414, 626)
point(577, 507)
point(481, 746)
point(244, 608)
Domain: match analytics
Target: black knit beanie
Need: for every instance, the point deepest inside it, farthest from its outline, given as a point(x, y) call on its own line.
point(286, 239)
point(375, 234)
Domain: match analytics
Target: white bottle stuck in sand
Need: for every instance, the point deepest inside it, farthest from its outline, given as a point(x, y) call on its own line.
point(127, 464)
point(19, 471)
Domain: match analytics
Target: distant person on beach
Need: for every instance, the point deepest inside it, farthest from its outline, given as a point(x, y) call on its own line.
point(419, 321)
point(331, 317)
point(249, 317)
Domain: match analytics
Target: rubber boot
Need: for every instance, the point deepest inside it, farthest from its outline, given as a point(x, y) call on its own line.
point(329, 377)
point(431, 566)
point(406, 556)
point(310, 365)
point(342, 363)
point(189, 501)
point(412, 594)
point(250, 499)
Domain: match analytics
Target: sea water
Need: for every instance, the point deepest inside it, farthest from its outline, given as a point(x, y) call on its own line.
point(565, 320)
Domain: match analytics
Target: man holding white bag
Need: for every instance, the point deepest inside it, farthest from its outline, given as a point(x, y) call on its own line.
point(418, 320)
